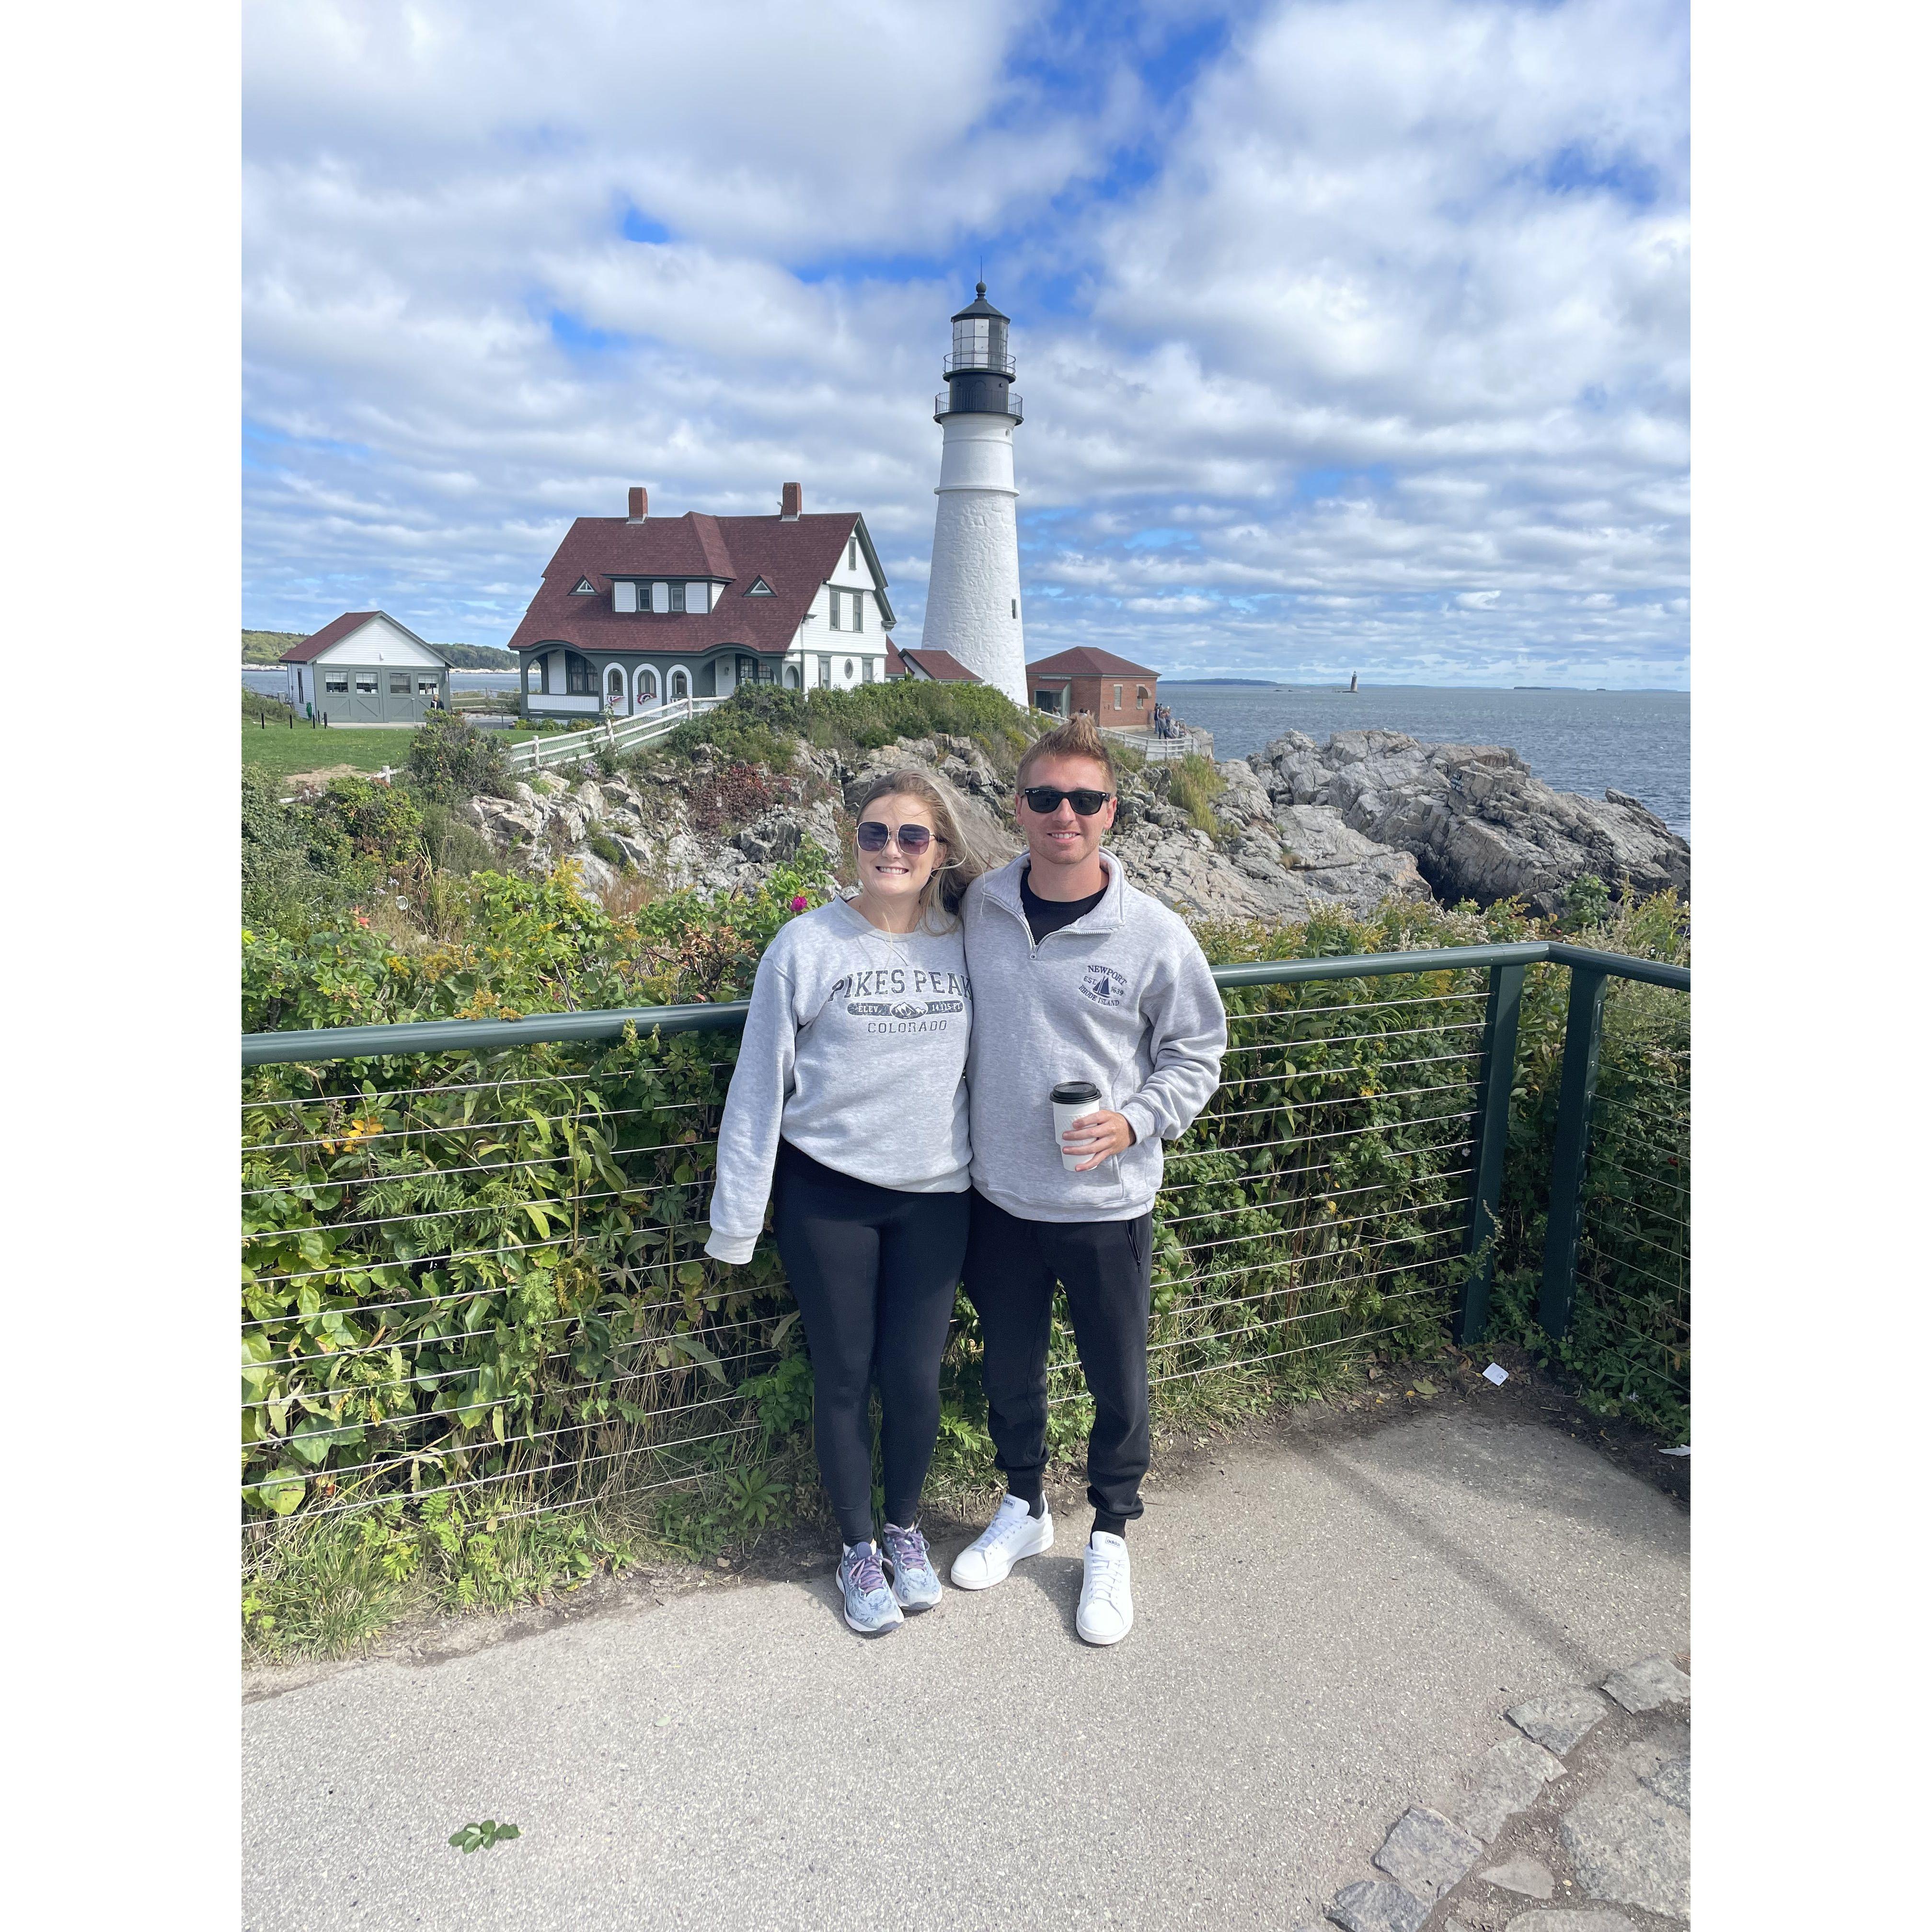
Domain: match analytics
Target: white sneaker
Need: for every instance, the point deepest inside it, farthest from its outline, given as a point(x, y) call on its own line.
point(1106, 1600)
point(1015, 1531)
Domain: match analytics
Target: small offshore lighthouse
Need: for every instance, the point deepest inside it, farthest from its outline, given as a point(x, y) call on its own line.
point(972, 598)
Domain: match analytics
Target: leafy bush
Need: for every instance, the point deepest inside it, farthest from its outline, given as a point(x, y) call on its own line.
point(448, 762)
point(255, 707)
point(452, 843)
point(758, 724)
point(733, 796)
point(607, 848)
point(873, 715)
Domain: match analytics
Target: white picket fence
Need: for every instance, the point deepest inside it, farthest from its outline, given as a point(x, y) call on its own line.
point(614, 734)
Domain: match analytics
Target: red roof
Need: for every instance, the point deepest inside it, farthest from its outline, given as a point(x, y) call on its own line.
point(942, 666)
point(1085, 662)
point(793, 557)
point(895, 663)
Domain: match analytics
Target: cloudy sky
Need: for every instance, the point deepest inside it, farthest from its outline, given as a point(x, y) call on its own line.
point(1354, 334)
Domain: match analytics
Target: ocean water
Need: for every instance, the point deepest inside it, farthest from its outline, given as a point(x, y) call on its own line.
point(1637, 742)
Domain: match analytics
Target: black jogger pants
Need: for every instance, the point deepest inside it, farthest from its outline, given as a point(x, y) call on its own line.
point(1106, 1268)
point(875, 1271)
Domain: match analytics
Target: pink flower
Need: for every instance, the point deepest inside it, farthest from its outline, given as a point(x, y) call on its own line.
point(799, 902)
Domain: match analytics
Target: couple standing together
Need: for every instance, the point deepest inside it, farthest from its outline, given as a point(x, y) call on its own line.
point(910, 1060)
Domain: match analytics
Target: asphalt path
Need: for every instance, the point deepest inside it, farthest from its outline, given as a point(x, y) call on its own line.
point(1326, 1629)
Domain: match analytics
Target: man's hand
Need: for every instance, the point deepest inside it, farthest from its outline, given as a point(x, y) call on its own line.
point(1100, 1136)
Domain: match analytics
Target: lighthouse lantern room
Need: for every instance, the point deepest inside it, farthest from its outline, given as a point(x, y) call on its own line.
point(972, 598)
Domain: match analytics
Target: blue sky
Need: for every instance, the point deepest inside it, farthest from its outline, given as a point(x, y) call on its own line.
point(1354, 335)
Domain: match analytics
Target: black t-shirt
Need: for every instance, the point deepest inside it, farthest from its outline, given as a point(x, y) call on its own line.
point(1046, 916)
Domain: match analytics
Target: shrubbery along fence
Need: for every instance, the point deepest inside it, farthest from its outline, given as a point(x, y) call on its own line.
point(472, 1246)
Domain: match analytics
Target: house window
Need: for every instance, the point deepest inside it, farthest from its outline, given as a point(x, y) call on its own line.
point(623, 596)
point(680, 683)
point(585, 588)
point(399, 684)
point(1140, 697)
point(1016, 606)
point(697, 598)
point(760, 588)
point(858, 610)
point(336, 680)
point(613, 684)
point(677, 597)
point(579, 680)
point(660, 599)
point(365, 682)
point(1117, 697)
point(647, 686)
point(791, 677)
point(837, 599)
point(852, 552)
point(428, 687)
point(825, 673)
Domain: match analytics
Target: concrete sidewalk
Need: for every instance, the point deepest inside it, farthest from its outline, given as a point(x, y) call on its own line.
point(1326, 1627)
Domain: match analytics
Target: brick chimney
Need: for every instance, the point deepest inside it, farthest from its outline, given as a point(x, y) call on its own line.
point(638, 501)
point(791, 502)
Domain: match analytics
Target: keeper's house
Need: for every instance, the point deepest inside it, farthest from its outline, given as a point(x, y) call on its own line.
point(365, 668)
point(1113, 691)
point(637, 611)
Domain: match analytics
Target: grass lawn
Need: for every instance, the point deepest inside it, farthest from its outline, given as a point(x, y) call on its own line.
point(285, 753)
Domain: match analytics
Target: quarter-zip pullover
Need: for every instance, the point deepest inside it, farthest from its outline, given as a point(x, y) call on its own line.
point(1123, 997)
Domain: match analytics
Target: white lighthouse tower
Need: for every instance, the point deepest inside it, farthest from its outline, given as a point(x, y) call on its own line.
point(972, 601)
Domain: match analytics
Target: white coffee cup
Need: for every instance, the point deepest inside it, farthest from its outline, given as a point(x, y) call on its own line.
point(1072, 1100)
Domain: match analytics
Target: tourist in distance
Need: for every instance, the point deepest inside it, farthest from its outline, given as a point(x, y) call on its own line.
point(847, 1106)
point(1105, 1039)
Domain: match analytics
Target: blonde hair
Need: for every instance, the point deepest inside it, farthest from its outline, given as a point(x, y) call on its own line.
point(965, 858)
point(1079, 737)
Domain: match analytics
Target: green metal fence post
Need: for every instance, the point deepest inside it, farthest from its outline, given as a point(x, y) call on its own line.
point(1498, 1075)
point(1582, 1041)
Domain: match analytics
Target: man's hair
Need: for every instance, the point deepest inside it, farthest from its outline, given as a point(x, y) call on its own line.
point(1079, 737)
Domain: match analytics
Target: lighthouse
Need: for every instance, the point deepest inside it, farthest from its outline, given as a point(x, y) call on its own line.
point(973, 600)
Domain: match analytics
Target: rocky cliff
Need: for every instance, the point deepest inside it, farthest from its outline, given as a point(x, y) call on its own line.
point(1368, 817)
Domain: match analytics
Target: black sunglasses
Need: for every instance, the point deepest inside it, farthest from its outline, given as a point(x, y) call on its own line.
point(912, 839)
point(1043, 799)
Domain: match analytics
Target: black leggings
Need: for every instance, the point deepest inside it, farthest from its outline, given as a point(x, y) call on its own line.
point(875, 1271)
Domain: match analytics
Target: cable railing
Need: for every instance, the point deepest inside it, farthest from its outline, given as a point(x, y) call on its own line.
point(472, 1250)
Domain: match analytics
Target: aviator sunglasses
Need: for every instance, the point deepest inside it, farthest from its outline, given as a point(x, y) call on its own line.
point(1043, 799)
point(874, 837)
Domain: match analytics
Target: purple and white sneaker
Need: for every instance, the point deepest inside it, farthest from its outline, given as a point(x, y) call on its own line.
point(869, 1607)
point(915, 1582)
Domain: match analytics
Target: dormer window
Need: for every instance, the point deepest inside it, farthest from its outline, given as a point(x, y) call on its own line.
point(760, 588)
point(585, 588)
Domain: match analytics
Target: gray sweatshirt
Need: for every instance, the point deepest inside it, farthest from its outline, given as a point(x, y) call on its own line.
point(1124, 997)
point(855, 1046)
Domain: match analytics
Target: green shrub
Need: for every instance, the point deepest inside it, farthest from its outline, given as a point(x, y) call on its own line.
point(874, 715)
point(448, 762)
point(607, 848)
point(255, 707)
point(1193, 784)
point(758, 724)
point(453, 844)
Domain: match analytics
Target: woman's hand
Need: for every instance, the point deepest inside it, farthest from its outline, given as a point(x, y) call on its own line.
point(1099, 1136)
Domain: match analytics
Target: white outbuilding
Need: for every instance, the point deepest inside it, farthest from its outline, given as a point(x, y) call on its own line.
point(365, 668)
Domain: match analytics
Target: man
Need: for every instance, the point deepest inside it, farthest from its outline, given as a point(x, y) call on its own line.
point(1077, 976)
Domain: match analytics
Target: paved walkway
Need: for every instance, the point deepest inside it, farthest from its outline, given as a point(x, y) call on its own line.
point(1330, 1627)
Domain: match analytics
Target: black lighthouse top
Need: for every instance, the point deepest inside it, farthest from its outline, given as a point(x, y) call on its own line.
point(980, 371)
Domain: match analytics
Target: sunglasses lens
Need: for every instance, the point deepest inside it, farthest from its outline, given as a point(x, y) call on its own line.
point(912, 839)
point(1044, 799)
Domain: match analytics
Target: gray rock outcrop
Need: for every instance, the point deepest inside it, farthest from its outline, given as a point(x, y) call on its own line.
point(1478, 822)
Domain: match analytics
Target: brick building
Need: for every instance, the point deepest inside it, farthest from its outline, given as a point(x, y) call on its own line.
point(1115, 691)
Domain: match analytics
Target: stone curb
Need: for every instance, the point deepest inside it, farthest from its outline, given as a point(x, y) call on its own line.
point(1426, 1854)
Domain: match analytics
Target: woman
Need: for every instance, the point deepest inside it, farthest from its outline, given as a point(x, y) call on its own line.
point(848, 1106)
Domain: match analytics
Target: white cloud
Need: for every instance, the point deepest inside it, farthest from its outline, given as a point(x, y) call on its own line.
point(1382, 365)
